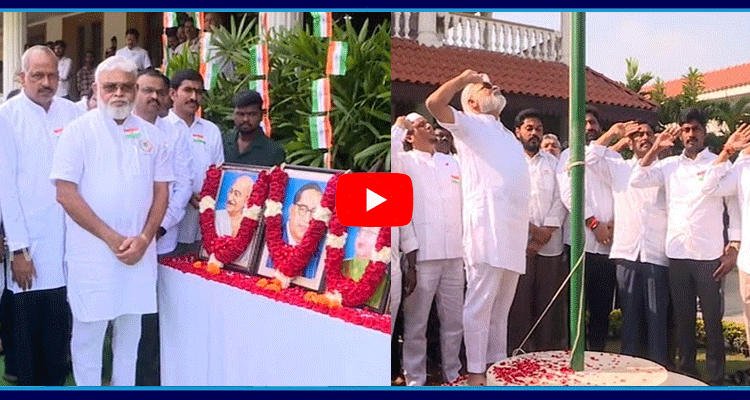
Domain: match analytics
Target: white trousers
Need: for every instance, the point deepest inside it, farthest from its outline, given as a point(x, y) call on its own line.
point(446, 279)
point(489, 295)
point(86, 350)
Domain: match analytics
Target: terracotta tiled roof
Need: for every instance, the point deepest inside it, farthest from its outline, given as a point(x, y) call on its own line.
point(714, 80)
point(415, 63)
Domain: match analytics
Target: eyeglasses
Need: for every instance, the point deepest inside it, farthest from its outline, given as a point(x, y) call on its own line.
point(303, 210)
point(113, 87)
point(150, 91)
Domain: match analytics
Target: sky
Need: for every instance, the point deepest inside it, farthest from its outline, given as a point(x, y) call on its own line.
point(664, 43)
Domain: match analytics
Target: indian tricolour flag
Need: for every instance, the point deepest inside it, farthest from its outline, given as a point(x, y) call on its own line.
point(321, 95)
point(170, 20)
point(205, 41)
point(337, 52)
point(199, 21)
point(210, 72)
point(261, 86)
point(266, 124)
point(165, 55)
point(322, 24)
point(320, 132)
point(259, 59)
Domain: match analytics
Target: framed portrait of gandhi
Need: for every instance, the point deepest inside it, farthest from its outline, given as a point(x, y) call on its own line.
point(235, 187)
point(304, 191)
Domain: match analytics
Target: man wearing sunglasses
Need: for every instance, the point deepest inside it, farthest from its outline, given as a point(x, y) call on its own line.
point(112, 175)
point(495, 184)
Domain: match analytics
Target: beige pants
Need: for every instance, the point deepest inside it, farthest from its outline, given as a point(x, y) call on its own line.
point(745, 294)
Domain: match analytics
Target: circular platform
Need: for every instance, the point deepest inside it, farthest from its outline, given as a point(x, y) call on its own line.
point(552, 368)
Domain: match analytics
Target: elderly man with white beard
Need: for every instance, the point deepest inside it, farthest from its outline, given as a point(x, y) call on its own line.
point(496, 190)
point(112, 176)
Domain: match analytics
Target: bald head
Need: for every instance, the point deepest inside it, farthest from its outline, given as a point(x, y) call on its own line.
point(238, 194)
point(39, 75)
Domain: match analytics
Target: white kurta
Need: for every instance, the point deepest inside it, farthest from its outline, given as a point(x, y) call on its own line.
point(181, 189)
point(35, 220)
point(598, 201)
point(206, 149)
point(437, 211)
point(115, 167)
point(137, 55)
point(545, 207)
point(734, 180)
point(64, 70)
point(640, 213)
point(495, 184)
point(695, 221)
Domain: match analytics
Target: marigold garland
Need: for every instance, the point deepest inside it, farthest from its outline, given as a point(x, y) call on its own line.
point(289, 261)
point(226, 249)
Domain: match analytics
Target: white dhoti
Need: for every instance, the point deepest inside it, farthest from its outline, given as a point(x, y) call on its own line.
point(444, 278)
point(86, 350)
point(489, 295)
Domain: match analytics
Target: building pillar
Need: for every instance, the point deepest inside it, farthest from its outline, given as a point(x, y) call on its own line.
point(565, 30)
point(14, 38)
point(427, 29)
point(280, 20)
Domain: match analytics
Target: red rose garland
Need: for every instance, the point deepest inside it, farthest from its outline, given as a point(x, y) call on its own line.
point(289, 260)
point(351, 292)
point(226, 249)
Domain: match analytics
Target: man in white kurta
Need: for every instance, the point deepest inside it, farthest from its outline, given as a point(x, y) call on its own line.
point(206, 147)
point(64, 70)
point(437, 223)
point(153, 90)
point(112, 174)
point(545, 270)
point(698, 259)
point(34, 222)
point(495, 187)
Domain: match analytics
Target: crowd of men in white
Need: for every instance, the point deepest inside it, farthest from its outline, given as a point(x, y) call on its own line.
point(493, 219)
point(87, 202)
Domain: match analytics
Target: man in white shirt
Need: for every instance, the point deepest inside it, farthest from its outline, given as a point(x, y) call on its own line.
point(112, 174)
point(153, 91)
point(545, 270)
point(437, 223)
point(206, 147)
point(698, 259)
point(600, 280)
point(64, 70)
point(34, 222)
point(191, 35)
point(637, 243)
point(722, 180)
point(495, 186)
point(132, 52)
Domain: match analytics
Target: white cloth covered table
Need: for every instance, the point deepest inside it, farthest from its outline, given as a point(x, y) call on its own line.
point(216, 334)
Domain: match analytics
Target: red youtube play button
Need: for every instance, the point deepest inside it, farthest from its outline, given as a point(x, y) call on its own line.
point(374, 199)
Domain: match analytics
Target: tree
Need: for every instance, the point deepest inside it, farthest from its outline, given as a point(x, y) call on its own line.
point(636, 81)
point(692, 86)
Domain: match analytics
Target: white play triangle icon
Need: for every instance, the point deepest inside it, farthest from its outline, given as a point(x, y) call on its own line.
point(373, 200)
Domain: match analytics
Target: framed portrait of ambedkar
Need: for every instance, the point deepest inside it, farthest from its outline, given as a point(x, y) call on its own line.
point(302, 198)
point(235, 186)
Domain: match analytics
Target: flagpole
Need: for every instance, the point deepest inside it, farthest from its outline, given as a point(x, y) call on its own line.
point(577, 114)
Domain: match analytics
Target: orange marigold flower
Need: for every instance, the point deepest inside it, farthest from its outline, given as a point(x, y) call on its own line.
point(213, 268)
point(310, 296)
point(198, 264)
point(262, 282)
point(274, 287)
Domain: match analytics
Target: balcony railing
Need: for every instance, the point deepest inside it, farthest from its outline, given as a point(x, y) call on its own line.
point(474, 32)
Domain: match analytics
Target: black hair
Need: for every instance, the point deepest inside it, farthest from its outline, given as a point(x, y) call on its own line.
point(595, 112)
point(527, 113)
point(151, 71)
point(172, 31)
point(693, 114)
point(61, 43)
point(246, 98)
point(133, 31)
point(185, 75)
point(305, 187)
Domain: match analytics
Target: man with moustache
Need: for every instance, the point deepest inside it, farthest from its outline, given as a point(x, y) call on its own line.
point(495, 186)
point(250, 145)
point(637, 244)
point(206, 149)
point(152, 93)
point(551, 144)
point(600, 279)
point(698, 259)
point(229, 219)
point(34, 222)
point(112, 173)
point(545, 270)
point(132, 52)
point(64, 70)
point(437, 223)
